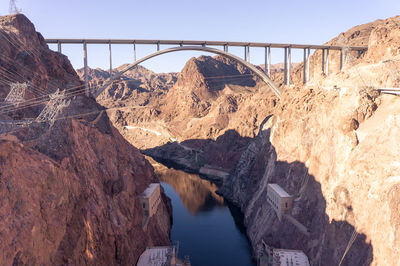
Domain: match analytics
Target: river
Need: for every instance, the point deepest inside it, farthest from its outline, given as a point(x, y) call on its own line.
point(208, 229)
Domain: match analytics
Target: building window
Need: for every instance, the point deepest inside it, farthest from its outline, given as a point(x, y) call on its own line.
point(286, 205)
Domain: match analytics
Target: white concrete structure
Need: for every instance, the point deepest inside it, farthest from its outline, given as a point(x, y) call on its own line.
point(269, 256)
point(150, 199)
point(289, 257)
point(279, 199)
point(158, 256)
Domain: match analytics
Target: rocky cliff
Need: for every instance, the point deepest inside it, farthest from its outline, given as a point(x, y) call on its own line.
point(209, 97)
point(68, 190)
point(138, 86)
point(334, 150)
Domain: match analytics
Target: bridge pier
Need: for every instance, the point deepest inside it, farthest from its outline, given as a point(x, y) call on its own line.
point(225, 48)
point(308, 63)
point(327, 61)
point(285, 66)
point(341, 60)
point(267, 65)
point(158, 46)
point(59, 46)
point(247, 53)
point(323, 60)
point(304, 65)
point(134, 52)
point(85, 69)
point(289, 65)
point(109, 49)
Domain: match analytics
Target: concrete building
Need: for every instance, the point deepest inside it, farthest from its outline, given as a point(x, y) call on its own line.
point(158, 256)
point(289, 257)
point(149, 200)
point(162, 256)
point(269, 256)
point(279, 199)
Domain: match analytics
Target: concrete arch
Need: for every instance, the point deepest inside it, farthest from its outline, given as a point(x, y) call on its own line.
point(259, 73)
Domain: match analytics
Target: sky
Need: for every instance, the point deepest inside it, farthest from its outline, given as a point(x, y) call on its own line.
point(302, 22)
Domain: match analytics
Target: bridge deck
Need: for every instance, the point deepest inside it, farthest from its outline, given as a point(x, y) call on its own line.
point(211, 43)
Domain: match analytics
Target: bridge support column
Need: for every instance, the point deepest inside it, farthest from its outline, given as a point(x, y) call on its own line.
point(59, 46)
point(158, 46)
point(308, 63)
point(327, 61)
point(304, 66)
point(285, 67)
point(134, 52)
point(85, 69)
point(248, 54)
point(290, 64)
point(267, 65)
point(109, 49)
point(323, 61)
point(245, 53)
point(341, 60)
point(269, 61)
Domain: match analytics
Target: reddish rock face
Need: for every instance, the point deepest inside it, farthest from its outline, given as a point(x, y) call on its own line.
point(211, 95)
point(335, 150)
point(25, 57)
point(383, 41)
point(69, 192)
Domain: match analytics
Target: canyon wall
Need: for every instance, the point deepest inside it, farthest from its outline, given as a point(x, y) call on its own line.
point(69, 190)
point(335, 150)
point(211, 96)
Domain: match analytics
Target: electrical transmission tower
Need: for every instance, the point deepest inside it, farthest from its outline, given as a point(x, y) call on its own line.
point(17, 93)
point(13, 7)
point(53, 107)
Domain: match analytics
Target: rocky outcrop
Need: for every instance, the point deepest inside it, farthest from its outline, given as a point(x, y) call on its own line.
point(381, 37)
point(211, 159)
point(25, 57)
point(211, 96)
point(69, 190)
point(138, 86)
point(335, 151)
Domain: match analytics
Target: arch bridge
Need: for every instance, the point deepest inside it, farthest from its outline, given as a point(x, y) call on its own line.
point(203, 46)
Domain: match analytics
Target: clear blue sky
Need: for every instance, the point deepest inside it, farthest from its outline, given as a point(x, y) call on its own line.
point(308, 21)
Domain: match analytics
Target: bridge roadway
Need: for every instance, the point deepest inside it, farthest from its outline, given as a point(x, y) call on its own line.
point(185, 44)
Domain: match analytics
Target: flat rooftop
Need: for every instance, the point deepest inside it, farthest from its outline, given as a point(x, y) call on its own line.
point(291, 257)
point(156, 256)
point(149, 190)
point(281, 192)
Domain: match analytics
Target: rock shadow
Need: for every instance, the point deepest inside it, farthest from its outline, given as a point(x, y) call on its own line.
point(328, 240)
point(191, 155)
point(252, 165)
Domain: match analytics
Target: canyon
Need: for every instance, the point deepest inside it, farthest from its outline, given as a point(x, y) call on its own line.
point(330, 143)
point(69, 190)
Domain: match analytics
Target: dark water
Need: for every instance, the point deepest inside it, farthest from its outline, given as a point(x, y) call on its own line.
point(203, 223)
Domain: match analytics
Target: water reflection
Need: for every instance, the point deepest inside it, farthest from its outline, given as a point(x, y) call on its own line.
point(197, 195)
point(208, 229)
